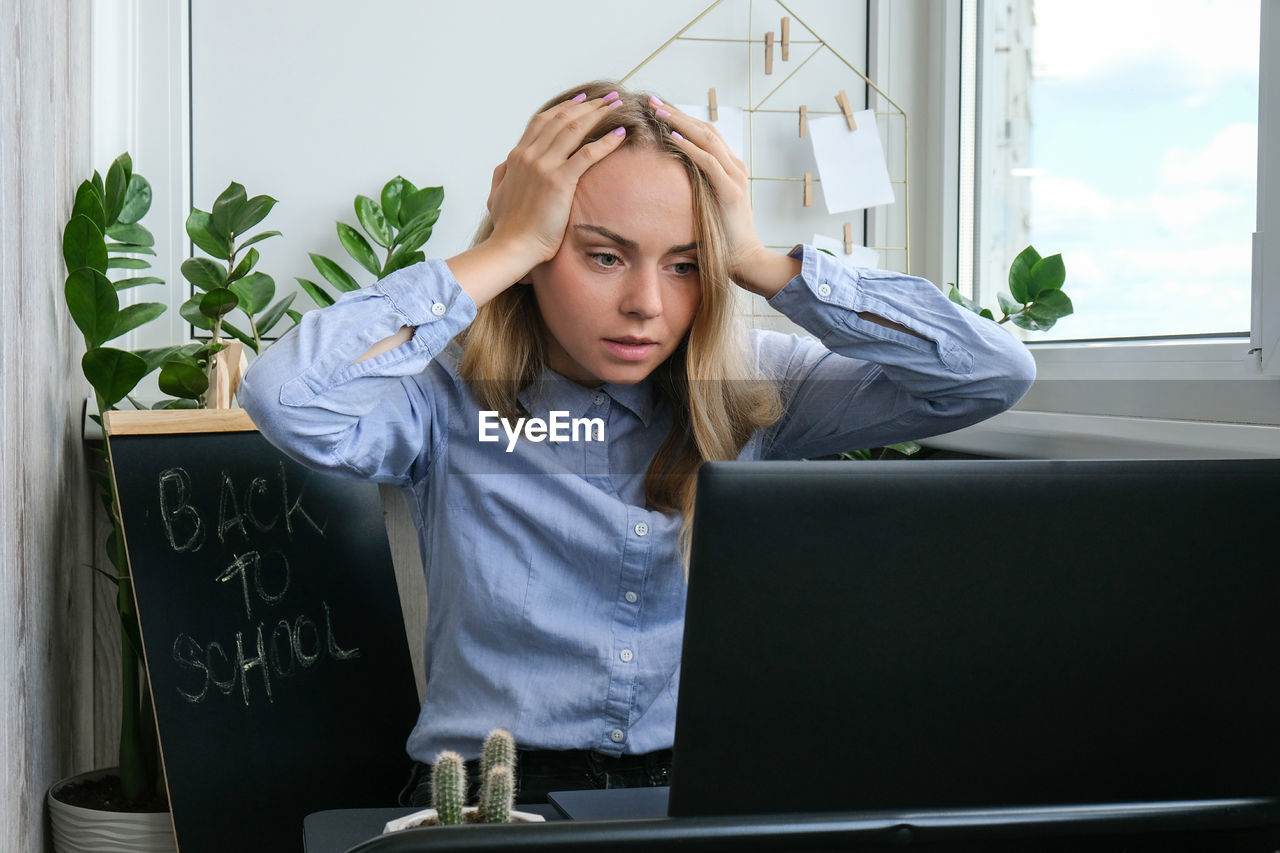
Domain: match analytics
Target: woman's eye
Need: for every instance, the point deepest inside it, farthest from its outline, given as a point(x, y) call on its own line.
point(604, 259)
point(684, 268)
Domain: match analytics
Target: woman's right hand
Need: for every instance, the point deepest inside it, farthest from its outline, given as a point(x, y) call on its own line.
point(533, 189)
point(532, 194)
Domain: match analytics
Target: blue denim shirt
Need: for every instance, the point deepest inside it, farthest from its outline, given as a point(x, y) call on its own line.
point(556, 597)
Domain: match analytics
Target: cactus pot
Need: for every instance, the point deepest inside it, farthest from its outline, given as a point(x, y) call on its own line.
point(77, 829)
point(427, 817)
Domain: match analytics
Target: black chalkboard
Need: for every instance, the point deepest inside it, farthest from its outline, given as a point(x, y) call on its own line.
point(272, 629)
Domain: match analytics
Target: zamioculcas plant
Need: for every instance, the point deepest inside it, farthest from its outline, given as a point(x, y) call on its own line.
point(226, 282)
point(103, 235)
point(400, 224)
point(1035, 301)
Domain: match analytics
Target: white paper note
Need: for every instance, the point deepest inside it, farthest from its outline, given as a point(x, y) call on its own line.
point(851, 163)
point(861, 256)
point(730, 124)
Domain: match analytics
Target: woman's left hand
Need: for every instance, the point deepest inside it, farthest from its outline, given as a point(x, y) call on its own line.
point(751, 264)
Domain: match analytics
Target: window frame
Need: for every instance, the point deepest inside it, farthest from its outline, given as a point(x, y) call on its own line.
point(1158, 418)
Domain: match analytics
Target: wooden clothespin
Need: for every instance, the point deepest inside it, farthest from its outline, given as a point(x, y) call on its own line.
point(808, 189)
point(843, 100)
point(804, 121)
point(848, 238)
point(711, 104)
point(786, 39)
point(768, 52)
point(230, 364)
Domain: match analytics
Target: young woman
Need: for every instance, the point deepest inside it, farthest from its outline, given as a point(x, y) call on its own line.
point(597, 304)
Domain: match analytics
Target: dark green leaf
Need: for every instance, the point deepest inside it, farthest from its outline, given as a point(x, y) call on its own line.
point(373, 221)
point(258, 238)
point(906, 448)
point(117, 183)
point(318, 294)
point(396, 189)
point(89, 203)
point(225, 210)
point(402, 258)
point(126, 283)
point(177, 404)
point(157, 356)
point(1047, 274)
point(204, 273)
point(127, 264)
point(1024, 320)
point(251, 213)
point(190, 311)
point(960, 299)
point(1051, 305)
point(137, 200)
point(1020, 274)
point(358, 248)
point(295, 316)
point(246, 264)
point(99, 186)
point(418, 230)
point(184, 379)
point(133, 316)
point(273, 314)
point(131, 232)
point(334, 274)
point(218, 302)
point(418, 203)
point(83, 245)
point(244, 337)
point(1007, 305)
point(93, 304)
point(129, 249)
point(113, 373)
point(255, 292)
point(198, 229)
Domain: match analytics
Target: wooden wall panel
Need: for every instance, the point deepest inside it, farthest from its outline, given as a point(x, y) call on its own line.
point(45, 585)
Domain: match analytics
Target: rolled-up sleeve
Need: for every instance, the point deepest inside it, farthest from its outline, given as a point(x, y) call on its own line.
point(308, 395)
point(862, 384)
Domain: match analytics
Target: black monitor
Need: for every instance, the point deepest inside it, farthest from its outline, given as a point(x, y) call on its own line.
point(916, 636)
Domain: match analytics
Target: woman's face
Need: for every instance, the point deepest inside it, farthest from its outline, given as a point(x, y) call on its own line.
point(621, 293)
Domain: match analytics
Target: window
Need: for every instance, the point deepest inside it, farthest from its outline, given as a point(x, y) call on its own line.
point(1124, 135)
point(1131, 149)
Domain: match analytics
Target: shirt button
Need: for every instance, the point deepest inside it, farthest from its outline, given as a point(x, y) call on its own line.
point(599, 400)
point(824, 290)
point(617, 735)
point(626, 655)
point(642, 529)
point(631, 597)
point(438, 309)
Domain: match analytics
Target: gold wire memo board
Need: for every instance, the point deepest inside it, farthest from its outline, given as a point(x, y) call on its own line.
point(887, 229)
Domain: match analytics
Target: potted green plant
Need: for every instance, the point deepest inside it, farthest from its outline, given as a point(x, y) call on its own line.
point(126, 806)
point(449, 789)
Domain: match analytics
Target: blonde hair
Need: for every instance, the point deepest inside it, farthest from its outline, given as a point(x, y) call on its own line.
point(716, 397)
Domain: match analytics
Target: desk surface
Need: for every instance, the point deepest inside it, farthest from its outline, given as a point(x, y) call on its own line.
point(338, 830)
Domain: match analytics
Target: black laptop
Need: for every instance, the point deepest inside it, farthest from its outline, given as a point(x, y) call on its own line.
point(965, 641)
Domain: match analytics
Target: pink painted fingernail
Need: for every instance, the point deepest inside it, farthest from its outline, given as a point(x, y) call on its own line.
point(654, 102)
point(662, 114)
point(616, 103)
point(675, 134)
point(609, 97)
point(620, 131)
point(580, 97)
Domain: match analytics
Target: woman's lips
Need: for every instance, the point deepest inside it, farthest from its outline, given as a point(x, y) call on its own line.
point(629, 349)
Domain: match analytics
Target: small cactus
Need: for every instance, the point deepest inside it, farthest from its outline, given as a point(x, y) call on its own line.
point(499, 748)
point(497, 792)
point(449, 787)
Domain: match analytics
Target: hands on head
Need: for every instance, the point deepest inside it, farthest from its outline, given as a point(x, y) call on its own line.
point(533, 189)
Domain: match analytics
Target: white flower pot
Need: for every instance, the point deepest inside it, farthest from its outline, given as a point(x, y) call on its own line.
point(428, 817)
point(81, 830)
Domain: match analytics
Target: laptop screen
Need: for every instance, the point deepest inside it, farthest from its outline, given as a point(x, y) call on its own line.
point(996, 633)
